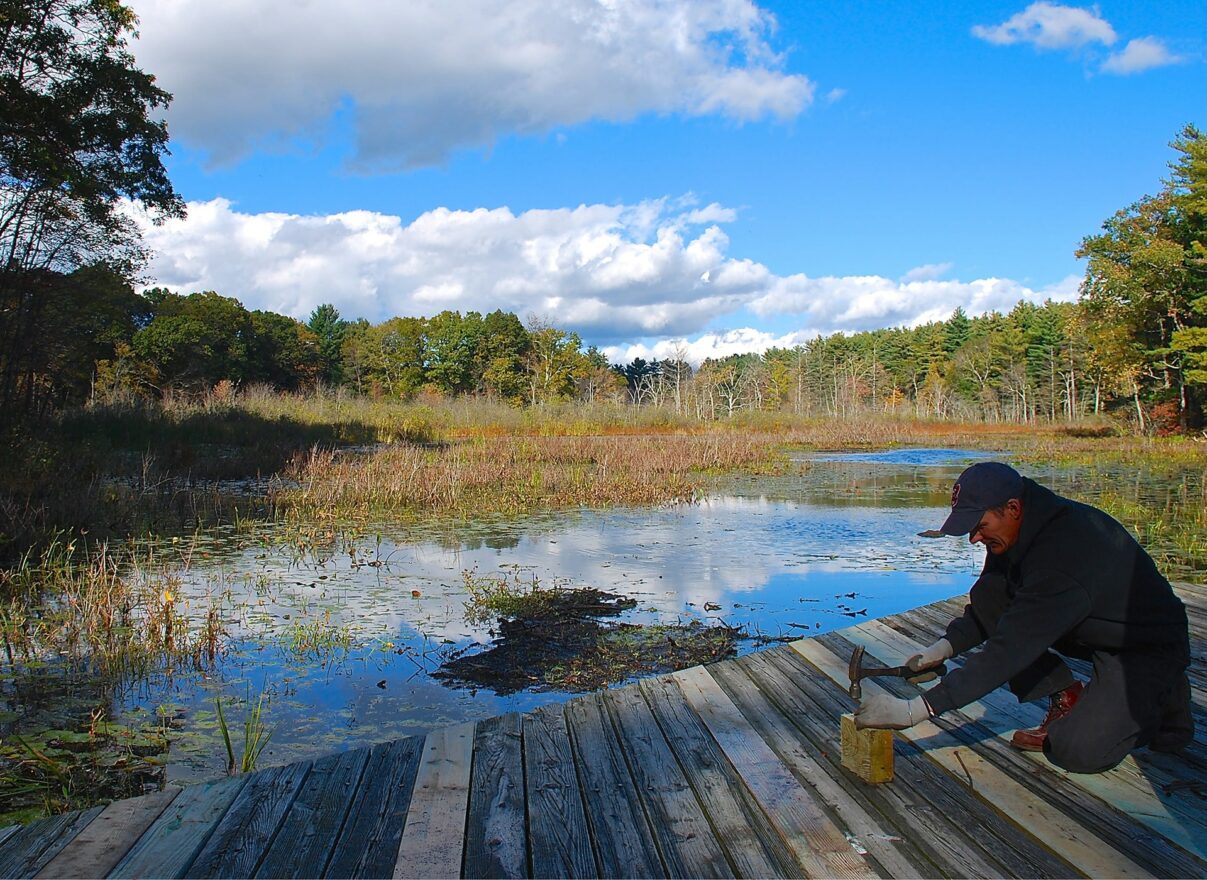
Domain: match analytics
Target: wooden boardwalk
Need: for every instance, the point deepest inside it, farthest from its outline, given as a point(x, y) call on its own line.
point(720, 771)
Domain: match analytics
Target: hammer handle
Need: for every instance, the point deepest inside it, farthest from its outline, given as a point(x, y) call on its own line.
point(902, 671)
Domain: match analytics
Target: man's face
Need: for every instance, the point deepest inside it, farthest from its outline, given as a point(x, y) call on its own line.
point(999, 531)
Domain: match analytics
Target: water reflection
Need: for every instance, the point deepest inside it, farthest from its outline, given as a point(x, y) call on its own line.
point(346, 634)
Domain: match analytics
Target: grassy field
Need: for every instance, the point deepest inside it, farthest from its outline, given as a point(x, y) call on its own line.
point(124, 471)
point(79, 493)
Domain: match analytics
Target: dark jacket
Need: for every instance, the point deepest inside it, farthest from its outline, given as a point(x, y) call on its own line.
point(1076, 577)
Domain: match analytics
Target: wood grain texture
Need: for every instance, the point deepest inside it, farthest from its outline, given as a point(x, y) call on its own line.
point(1127, 787)
point(558, 838)
point(31, 848)
point(754, 850)
point(100, 845)
point(1101, 802)
point(312, 823)
point(368, 845)
point(167, 848)
point(623, 841)
point(433, 839)
point(1093, 856)
point(819, 845)
point(496, 843)
point(685, 838)
point(867, 753)
point(784, 717)
point(952, 828)
point(242, 837)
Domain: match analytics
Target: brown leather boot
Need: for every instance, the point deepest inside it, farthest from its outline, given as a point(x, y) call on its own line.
point(1058, 706)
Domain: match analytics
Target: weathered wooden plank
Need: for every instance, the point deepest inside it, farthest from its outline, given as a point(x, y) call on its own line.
point(558, 837)
point(924, 819)
point(242, 837)
point(687, 842)
point(1091, 854)
point(308, 831)
point(7, 832)
point(32, 847)
point(819, 845)
point(741, 826)
point(623, 841)
point(495, 841)
point(433, 838)
point(1157, 769)
point(103, 841)
point(1153, 853)
point(167, 848)
point(368, 845)
point(1126, 788)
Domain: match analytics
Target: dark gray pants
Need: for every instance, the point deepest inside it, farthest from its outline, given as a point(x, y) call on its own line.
point(1130, 697)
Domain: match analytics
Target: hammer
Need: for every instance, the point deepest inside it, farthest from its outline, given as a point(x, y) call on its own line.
point(859, 671)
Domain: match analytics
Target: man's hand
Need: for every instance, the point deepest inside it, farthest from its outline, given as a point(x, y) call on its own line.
point(885, 711)
point(932, 656)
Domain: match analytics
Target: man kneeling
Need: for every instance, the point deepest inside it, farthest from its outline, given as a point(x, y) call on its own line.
point(1060, 578)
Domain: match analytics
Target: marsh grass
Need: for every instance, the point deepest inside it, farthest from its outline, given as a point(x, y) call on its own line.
point(51, 770)
point(553, 637)
point(256, 735)
point(119, 613)
point(519, 595)
point(318, 639)
point(519, 474)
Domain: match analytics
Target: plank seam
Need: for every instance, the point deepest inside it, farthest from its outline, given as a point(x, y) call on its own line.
point(687, 776)
point(572, 736)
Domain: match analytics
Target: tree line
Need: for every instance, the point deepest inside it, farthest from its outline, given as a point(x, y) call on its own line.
point(79, 133)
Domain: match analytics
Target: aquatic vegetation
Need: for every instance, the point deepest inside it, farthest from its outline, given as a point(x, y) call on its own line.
point(53, 770)
point(318, 639)
point(555, 638)
point(517, 474)
point(256, 735)
point(117, 612)
point(520, 597)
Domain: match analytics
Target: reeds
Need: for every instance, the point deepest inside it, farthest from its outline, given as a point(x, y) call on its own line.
point(122, 613)
point(517, 474)
point(256, 735)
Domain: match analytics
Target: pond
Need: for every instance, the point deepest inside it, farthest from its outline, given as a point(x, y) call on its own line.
point(353, 638)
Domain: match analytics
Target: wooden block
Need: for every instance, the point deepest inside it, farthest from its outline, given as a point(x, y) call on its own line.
point(867, 753)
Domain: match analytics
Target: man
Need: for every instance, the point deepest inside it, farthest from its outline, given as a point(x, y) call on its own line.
point(1060, 578)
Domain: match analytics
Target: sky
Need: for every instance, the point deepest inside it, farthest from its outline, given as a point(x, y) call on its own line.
point(660, 176)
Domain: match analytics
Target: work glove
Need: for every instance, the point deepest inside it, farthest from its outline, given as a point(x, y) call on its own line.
point(932, 656)
point(886, 711)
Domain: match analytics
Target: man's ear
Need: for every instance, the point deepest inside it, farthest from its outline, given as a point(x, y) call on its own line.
point(1014, 508)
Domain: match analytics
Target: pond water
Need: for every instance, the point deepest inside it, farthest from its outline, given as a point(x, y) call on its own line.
point(344, 636)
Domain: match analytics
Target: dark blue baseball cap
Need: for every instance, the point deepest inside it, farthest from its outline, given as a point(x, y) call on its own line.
point(980, 487)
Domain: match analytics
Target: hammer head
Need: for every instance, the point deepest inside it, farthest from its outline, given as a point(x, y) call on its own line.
point(856, 673)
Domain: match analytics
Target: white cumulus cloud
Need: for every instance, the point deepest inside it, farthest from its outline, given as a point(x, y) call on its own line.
point(422, 78)
point(1143, 53)
point(616, 274)
point(1050, 26)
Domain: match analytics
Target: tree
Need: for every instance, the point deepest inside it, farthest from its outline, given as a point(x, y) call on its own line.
point(452, 344)
point(76, 136)
point(196, 341)
point(554, 362)
point(504, 346)
point(1147, 271)
point(330, 330)
point(283, 352)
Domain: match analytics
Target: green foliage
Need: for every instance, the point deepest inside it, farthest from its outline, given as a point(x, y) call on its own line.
point(79, 130)
point(330, 330)
point(1147, 274)
point(256, 735)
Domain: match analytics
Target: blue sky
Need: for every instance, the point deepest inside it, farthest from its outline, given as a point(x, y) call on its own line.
point(718, 175)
